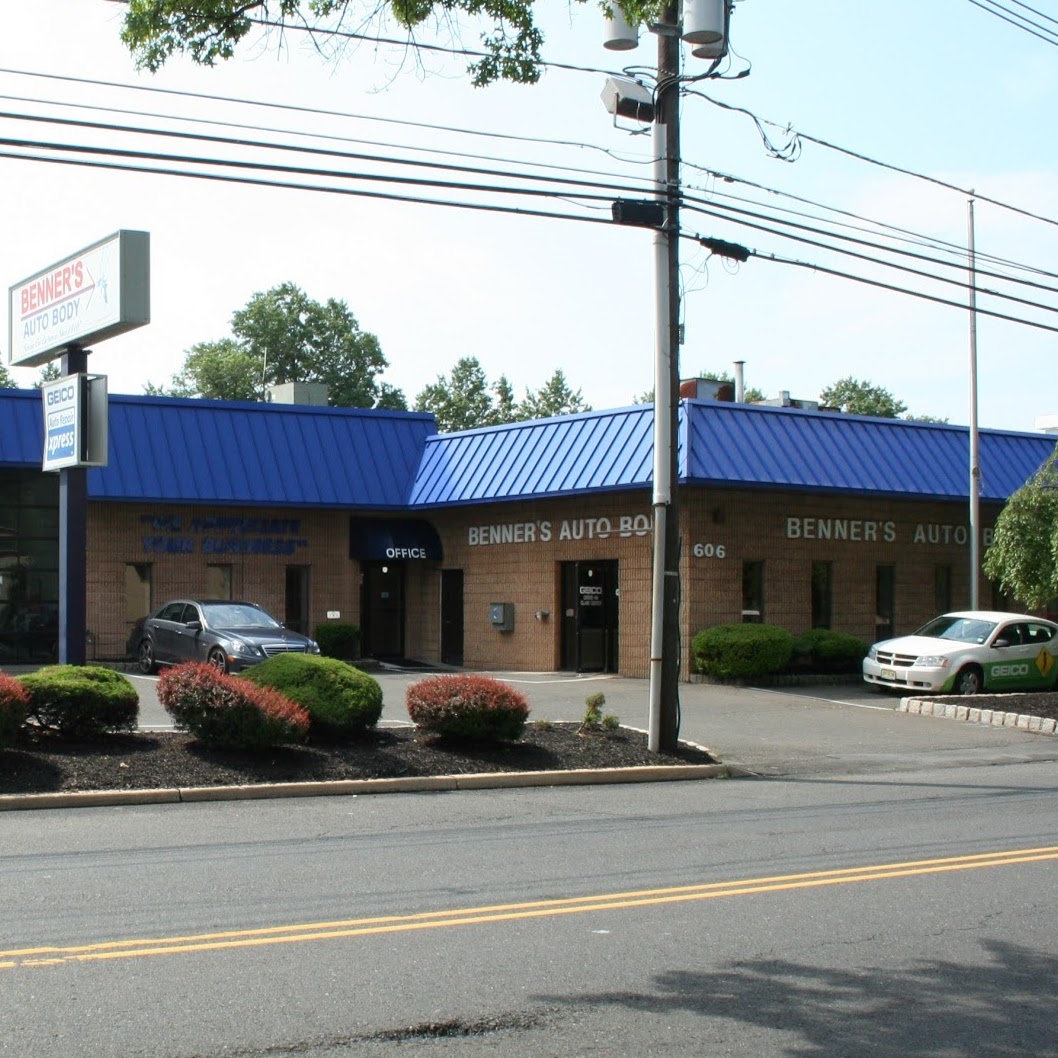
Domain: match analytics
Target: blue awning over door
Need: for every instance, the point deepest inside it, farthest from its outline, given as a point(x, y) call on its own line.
point(396, 539)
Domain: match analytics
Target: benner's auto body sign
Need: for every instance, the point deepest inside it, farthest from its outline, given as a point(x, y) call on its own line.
point(98, 293)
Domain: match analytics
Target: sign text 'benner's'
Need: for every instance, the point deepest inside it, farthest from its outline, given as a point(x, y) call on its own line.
point(625, 525)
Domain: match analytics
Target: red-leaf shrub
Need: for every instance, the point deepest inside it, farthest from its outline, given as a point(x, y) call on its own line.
point(14, 706)
point(470, 708)
point(228, 712)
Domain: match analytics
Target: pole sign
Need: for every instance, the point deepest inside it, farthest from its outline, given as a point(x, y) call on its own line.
point(100, 292)
point(75, 421)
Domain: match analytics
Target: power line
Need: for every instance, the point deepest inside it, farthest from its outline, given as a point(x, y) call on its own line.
point(244, 169)
point(1027, 25)
point(965, 192)
point(566, 183)
point(900, 290)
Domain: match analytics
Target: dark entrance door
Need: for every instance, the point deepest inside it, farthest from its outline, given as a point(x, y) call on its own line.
point(296, 612)
point(589, 616)
point(452, 616)
point(382, 609)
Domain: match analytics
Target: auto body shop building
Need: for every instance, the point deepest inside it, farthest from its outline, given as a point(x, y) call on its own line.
point(519, 547)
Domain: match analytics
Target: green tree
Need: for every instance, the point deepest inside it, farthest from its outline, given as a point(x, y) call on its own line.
point(554, 397)
point(48, 373)
point(1023, 557)
point(209, 30)
point(6, 381)
point(854, 397)
point(465, 400)
point(221, 370)
point(283, 335)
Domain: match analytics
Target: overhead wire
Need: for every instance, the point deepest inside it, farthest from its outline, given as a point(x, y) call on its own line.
point(859, 156)
point(1027, 25)
point(248, 173)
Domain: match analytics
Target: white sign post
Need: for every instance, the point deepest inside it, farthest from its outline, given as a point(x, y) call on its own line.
point(99, 292)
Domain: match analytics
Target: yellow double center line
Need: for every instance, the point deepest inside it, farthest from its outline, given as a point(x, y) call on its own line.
point(361, 927)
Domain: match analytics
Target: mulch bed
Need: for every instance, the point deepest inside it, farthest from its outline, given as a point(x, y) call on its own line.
point(163, 760)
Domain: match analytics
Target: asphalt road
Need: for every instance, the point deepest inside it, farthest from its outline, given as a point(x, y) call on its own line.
point(880, 896)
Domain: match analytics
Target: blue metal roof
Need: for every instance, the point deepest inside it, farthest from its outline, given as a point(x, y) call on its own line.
point(790, 448)
point(571, 454)
point(201, 451)
point(21, 428)
point(206, 451)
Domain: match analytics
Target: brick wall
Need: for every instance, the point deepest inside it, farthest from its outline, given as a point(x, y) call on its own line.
point(513, 553)
point(179, 543)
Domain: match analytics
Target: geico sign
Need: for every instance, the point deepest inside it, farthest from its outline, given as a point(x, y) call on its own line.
point(999, 671)
point(59, 395)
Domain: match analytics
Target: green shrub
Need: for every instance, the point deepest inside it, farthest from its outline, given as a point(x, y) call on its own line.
point(342, 702)
point(468, 708)
point(594, 721)
point(736, 651)
point(14, 707)
point(339, 639)
point(228, 712)
point(824, 651)
point(81, 701)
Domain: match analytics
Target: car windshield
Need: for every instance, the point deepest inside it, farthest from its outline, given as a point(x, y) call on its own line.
point(959, 629)
point(235, 615)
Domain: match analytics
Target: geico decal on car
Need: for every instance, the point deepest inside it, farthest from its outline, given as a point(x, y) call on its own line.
point(967, 652)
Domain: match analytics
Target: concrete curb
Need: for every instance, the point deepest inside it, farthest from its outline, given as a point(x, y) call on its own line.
point(948, 710)
point(347, 787)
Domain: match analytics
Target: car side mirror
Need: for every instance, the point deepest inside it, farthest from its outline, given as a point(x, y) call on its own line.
point(1001, 643)
point(194, 626)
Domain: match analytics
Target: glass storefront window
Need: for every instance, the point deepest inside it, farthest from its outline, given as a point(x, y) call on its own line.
point(29, 566)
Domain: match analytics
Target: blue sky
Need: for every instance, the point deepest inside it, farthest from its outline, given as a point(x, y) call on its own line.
point(940, 88)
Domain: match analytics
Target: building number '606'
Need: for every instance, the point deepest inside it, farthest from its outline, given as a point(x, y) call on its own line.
point(709, 551)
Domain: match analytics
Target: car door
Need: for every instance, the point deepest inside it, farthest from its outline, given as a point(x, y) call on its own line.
point(1041, 639)
point(186, 640)
point(164, 632)
point(1012, 667)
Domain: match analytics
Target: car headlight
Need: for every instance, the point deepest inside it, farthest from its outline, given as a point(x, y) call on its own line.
point(872, 653)
point(933, 661)
point(237, 646)
point(313, 647)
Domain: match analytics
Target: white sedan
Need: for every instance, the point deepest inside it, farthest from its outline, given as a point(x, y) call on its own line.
point(968, 652)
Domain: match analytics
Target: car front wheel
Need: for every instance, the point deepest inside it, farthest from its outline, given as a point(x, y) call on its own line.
point(146, 657)
point(217, 660)
point(969, 681)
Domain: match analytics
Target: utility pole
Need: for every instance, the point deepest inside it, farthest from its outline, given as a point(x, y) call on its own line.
point(663, 729)
point(975, 459)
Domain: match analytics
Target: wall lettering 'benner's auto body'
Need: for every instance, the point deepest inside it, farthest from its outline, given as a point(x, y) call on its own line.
point(543, 532)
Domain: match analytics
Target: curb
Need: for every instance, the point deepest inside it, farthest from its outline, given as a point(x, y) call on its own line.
point(947, 710)
point(354, 787)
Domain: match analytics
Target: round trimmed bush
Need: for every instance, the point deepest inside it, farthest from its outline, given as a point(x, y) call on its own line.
point(228, 712)
point(468, 708)
point(824, 651)
point(342, 702)
point(740, 651)
point(81, 701)
point(14, 707)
